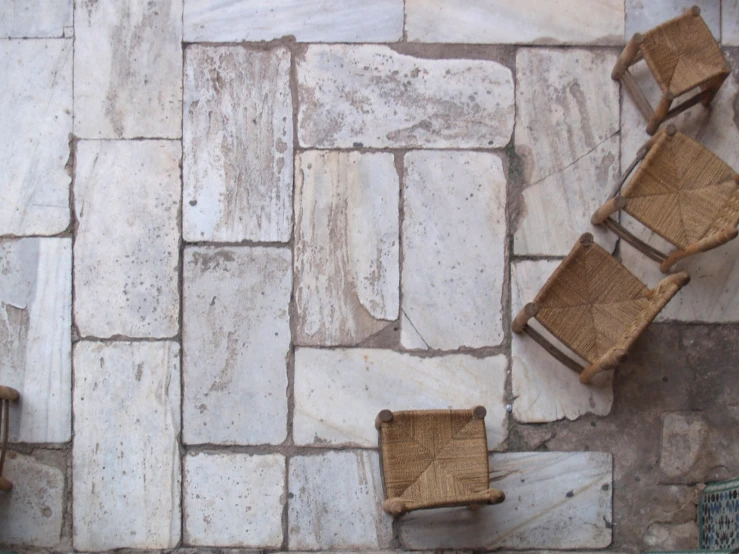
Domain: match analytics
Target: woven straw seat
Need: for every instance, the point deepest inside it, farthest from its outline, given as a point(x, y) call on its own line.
point(7, 394)
point(681, 191)
point(682, 55)
point(434, 458)
point(596, 307)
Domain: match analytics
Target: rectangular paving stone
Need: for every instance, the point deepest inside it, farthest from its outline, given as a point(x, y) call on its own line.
point(335, 502)
point(338, 393)
point(544, 389)
point(35, 336)
point(34, 148)
point(642, 16)
point(34, 18)
point(126, 463)
point(567, 94)
point(233, 499)
point(237, 145)
point(554, 500)
point(454, 232)
point(306, 20)
point(730, 22)
point(127, 199)
point(33, 512)
point(353, 96)
point(128, 69)
point(525, 22)
point(236, 337)
point(346, 246)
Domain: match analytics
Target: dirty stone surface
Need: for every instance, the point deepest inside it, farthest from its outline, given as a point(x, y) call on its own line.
point(233, 231)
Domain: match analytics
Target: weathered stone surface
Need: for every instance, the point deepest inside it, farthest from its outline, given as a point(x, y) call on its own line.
point(34, 18)
point(31, 514)
point(237, 144)
point(35, 336)
point(567, 94)
point(234, 499)
point(543, 388)
point(346, 246)
point(556, 500)
point(335, 502)
point(36, 89)
point(127, 197)
point(236, 335)
point(643, 15)
point(453, 272)
point(373, 96)
point(730, 22)
point(306, 20)
point(672, 536)
point(128, 69)
point(526, 22)
point(338, 393)
point(126, 463)
point(683, 438)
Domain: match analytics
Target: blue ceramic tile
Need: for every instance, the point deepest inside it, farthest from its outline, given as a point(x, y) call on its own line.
point(718, 516)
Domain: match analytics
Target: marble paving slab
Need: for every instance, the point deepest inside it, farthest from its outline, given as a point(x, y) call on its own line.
point(35, 18)
point(730, 22)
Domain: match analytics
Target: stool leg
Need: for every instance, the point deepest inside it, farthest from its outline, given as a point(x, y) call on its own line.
point(660, 113)
point(626, 57)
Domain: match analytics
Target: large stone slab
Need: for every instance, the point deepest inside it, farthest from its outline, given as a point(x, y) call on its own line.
point(730, 22)
point(338, 393)
point(335, 502)
point(346, 246)
point(554, 500)
point(306, 20)
point(35, 18)
point(233, 499)
point(372, 96)
point(37, 89)
point(35, 336)
point(683, 439)
point(544, 389)
point(567, 94)
point(236, 335)
point(128, 69)
point(642, 16)
point(504, 22)
point(453, 271)
point(237, 144)
point(127, 199)
point(31, 514)
point(126, 462)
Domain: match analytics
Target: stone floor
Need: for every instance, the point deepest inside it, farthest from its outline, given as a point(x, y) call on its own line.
point(232, 231)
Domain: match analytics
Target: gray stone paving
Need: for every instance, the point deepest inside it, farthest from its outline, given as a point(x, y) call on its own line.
point(232, 231)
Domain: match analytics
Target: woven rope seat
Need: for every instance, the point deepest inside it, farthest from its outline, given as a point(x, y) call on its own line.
point(596, 307)
point(434, 458)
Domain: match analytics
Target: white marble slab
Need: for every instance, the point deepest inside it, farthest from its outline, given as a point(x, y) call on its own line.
point(33, 512)
point(34, 18)
point(338, 393)
point(334, 502)
point(347, 238)
point(522, 22)
point(566, 134)
point(454, 231)
point(127, 199)
point(730, 22)
point(236, 336)
point(306, 20)
point(35, 336)
point(554, 500)
point(544, 389)
point(233, 499)
point(128, 69)
point(36, 88)
point(126, 460)
point(237, 145)
point(643, 15)
point(374, 97)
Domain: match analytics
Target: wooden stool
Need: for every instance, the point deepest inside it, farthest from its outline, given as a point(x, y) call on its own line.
point(596, 307)
point(433, 459)
point(681, 55)
point(6, 395)
point(681, 191)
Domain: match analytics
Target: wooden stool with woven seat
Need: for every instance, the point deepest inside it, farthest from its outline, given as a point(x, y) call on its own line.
point(434, 459)
point(682, 55)
point(596, 307)
point(681, 191)
point(7, 394)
